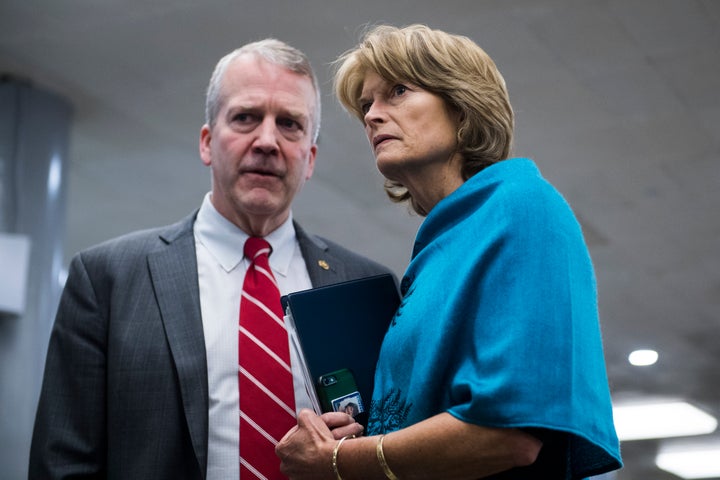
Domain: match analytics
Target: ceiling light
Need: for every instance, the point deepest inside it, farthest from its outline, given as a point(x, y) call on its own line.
point(691, 461)
point(643, 358)
point(660, 419)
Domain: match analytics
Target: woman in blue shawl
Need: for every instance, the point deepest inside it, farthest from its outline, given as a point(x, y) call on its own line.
point(493, 365)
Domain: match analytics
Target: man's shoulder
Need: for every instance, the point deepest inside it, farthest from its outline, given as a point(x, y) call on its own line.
point(356, 265)
point(141, 241)
point(341, 251)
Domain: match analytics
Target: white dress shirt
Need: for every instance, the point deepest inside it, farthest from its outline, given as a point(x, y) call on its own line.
point(221, 271)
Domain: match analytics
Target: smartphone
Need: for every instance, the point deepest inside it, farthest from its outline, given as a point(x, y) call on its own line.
point(338, 392)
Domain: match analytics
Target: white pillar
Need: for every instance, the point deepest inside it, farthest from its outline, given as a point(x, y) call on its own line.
point(34, 131)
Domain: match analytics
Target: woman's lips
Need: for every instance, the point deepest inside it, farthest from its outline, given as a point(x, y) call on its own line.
point(378, 139)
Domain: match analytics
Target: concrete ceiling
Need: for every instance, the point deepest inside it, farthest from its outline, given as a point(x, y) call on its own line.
point(616, 100)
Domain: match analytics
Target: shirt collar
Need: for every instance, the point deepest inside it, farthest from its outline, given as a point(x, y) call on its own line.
point(224, 240)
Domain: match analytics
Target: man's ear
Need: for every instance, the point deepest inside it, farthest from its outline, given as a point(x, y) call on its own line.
point(311, 162)
point(204, 145)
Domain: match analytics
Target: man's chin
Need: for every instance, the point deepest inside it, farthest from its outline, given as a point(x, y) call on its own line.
point(263, 204)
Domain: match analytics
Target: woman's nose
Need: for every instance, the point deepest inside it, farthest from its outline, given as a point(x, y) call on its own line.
point(375, 113)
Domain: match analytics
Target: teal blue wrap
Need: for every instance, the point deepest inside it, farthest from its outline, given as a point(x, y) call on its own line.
point(499, 321)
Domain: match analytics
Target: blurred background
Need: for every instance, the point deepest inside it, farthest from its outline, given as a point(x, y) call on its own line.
point(101, 104)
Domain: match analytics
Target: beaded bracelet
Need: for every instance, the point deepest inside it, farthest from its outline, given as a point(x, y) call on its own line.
point(381, 458)
point(335, 455)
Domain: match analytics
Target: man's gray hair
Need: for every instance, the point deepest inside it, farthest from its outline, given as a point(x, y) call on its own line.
point(275, 52)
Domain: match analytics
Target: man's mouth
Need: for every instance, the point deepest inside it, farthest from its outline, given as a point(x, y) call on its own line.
point(263, 172)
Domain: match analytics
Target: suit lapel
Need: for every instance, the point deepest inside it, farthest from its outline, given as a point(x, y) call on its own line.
point(173, 271)
point(323, 267)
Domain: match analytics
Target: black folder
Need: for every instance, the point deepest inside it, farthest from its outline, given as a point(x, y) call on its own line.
point(343, 325)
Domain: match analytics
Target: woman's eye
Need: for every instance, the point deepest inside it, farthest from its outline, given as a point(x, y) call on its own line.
point(365, 107)
point(399, 90)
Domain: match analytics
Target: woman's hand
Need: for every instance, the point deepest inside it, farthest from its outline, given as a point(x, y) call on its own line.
point(306, 450)
point(341, 424)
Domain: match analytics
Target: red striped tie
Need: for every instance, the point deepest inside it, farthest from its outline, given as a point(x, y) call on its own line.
point(267, 399)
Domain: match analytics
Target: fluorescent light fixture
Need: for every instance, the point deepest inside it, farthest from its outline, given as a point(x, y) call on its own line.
point(643, 358)
point(661, 419)
point(698, 460)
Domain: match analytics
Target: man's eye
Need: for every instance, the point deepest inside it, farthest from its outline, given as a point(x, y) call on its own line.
point(242, 117)
point(289, 124)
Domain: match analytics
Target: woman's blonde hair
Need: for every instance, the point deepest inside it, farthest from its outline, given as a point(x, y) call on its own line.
point(450, 66)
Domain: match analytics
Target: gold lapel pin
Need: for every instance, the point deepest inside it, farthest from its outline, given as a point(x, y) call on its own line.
point(323, 264)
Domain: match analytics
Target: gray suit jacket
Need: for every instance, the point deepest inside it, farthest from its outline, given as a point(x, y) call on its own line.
point(125, 392)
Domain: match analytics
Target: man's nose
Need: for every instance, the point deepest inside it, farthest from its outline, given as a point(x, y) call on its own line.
point(267, 140)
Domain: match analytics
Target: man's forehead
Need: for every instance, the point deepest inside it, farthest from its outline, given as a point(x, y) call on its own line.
point(255, 81)
point(279, 102)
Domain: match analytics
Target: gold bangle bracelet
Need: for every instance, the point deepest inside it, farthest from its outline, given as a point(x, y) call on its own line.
point(335, 455)
point(381, 458)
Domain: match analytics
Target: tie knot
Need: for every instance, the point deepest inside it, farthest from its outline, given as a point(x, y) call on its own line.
point(255, 246)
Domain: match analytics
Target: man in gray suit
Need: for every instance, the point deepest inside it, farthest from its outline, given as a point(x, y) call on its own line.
point(141, 373)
